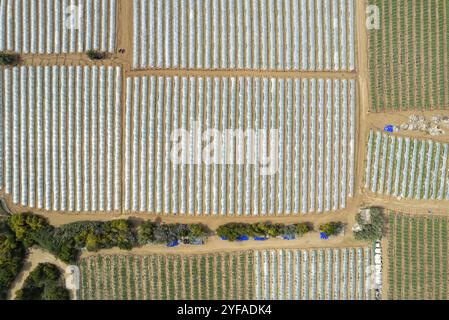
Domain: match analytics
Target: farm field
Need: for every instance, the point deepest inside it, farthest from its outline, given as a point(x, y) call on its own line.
point(54, 27)
point(406, 168)
point(322, 274)
point(62, 140)
point(244, 34)
point(417, 257)
point(408, 56)
point(168, 277)
point(316, 154)
point(60, 137)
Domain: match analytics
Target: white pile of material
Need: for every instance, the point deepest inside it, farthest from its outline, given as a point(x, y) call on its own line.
point(432, 127)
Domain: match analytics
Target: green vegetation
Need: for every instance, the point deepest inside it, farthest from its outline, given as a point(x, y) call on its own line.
point(157, 233)
point(331, 228)
point(96, 55)
point(373, 229)
point(44, 283)
point(417, 254)
point(65, 242)
point(408, 56)
point(12, 254)
point(8, 58)
point(232, 231)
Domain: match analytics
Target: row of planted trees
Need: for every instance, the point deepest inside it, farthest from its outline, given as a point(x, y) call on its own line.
point(236, 231)
point(68, 240)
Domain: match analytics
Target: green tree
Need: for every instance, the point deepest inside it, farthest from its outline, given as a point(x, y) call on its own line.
point(8, 59)
point(197, 231)
point(12, 254)
point(26, 225)
point(145, 233)
point(45, 282)
point(302, 228)
point(331, 228)
point(373, 229)
point(96, 55)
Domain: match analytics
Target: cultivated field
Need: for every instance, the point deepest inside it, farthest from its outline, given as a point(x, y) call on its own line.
point(244, 34)
point(417, 257)
point(53, 27)
point(168, 277)
point(62, 130)
point(316, 154)
point(61, 137)
point(409, 62)
point(323, 274)
point(407, 168)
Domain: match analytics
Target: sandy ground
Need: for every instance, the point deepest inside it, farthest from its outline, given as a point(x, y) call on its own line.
point(33, 259)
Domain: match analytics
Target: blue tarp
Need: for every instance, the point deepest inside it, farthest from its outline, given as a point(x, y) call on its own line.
point(242, 238)
point(289, 237)
point(324, 236)
point(389, 128)
point(260, 238)
point(224, 238)
point(173, 244)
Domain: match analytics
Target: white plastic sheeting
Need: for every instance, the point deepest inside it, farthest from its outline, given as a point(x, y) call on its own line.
point(244, 34)
point(56, 134)
point(324, 274)
point(52, 27)
point(406, 168)
point(304, 164)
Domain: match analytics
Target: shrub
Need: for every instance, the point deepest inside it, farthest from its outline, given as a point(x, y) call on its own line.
point(156, 233)
point(232, 231)
point(302, 228)
point(331, 228)
point(96, 235)
point(371, 230)
point(25, 225)
point(66, 241)
point(12, 254)
point(96, 55)
point(8, 59)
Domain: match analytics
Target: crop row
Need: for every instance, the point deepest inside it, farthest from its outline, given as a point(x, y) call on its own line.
point(304, 176)
point(409, 56)
point(168, 277)
point(60, 137)
point(244, 34)
point(418, 257)
point(323, 274)
point(48, 26)
point(407, 168)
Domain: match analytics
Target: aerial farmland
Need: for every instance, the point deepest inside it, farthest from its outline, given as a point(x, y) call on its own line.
point(225, 149)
